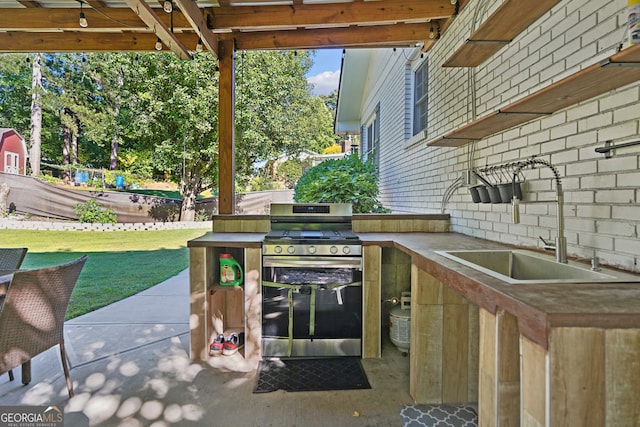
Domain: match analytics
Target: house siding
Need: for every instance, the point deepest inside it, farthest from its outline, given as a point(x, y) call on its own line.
point(602, 213)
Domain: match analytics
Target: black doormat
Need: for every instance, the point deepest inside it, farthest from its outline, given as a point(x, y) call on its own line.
point(334, 373)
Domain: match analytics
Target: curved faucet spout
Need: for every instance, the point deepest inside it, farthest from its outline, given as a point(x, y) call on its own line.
point(561, 241)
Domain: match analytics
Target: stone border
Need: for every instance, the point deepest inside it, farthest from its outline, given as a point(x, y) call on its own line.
point(13, 224)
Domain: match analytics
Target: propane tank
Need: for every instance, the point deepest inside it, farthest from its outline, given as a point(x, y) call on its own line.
point(400, 324)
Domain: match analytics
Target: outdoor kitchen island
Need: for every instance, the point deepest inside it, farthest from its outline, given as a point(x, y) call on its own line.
point(568, 352)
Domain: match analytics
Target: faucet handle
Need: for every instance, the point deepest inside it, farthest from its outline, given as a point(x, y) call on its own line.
point(547, 246)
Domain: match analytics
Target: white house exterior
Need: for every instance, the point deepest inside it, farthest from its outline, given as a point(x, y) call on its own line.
point(602, 196)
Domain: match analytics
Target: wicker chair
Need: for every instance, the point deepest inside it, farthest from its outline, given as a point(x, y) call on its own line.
point(11, 259)
point(32, 317)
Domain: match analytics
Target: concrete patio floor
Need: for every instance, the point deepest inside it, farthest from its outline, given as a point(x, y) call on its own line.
point(131, 368)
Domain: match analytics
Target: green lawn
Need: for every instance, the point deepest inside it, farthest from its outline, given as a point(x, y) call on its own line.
point(119, 264)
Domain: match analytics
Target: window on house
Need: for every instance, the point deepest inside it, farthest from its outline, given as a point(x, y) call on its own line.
point(371, 140)
point(420, 98)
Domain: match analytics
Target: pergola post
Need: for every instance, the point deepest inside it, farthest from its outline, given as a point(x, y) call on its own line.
point(226, 128)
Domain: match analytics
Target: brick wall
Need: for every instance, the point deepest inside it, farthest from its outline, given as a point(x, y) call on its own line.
point(602, 213)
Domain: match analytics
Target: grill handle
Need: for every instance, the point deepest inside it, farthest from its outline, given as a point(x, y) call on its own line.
point(312, 262)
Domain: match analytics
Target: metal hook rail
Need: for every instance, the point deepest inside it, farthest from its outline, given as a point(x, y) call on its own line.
point(609, 146)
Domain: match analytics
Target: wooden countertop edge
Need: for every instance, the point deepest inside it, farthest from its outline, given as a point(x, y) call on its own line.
point(494, 295)
point(228, 240)
point(487, 292)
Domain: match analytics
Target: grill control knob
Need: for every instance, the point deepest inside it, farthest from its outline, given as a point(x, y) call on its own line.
point(277, 249)
point(333, 250)
point(291, 249)
point(346, 250)
point(312, 249)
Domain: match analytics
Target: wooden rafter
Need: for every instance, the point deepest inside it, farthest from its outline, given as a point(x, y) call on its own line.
point(149, 17)
point(16, 41)
point(330, 14)
point(299, 25)
point(197, 20)
point(369, 36)
point(100, 19)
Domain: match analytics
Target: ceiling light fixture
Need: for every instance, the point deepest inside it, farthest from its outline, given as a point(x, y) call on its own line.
point(199, 45)
point(167, 6)
point(158, 44)
point(83, 20)
point(454, 1)
point(432, 35)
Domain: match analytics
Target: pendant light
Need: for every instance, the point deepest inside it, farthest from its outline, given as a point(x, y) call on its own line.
point(83, 20)
point(199, 46)
point(167, 6)
point(158, 44)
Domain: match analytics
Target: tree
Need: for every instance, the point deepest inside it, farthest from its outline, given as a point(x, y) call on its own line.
point(15, 93)
point(177, 103)
point(275, 112)
point(35, 137)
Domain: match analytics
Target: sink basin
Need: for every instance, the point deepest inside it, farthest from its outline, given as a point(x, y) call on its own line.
point(524, 267)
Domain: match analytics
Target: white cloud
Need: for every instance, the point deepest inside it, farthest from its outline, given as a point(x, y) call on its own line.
point(325, 82)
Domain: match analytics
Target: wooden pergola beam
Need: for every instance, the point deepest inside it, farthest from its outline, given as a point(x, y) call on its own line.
point(100, 19)
point(354, 13)
point(149, 17)
point(226, 128)
point(399, 35)
point(17, 41)
point(198, 22)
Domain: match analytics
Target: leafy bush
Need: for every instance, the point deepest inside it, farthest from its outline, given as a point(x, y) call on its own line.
point(346, 180)
point(91, 212)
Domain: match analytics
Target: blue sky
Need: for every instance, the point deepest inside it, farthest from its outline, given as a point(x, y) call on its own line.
point(325, 72)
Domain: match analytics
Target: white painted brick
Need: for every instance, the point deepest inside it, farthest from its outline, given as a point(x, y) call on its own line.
point(596, 121)
point(615, 196)
point(553, 145)
point(565, 156)
point(598, 181)
point(578, 24)
point(619, 98)
point(597, 241)
point(618, 164)
point(570, 128)
point(618, 131)
point(624, 114)
point(541, 136)
point(593, 211)
point(579, 196)
point(630, 246)
point(587, 108)
point(629, 179)
point(582, 168)
point(625, 229)
point(581, 139)
point(577, 224)
point(626, 212)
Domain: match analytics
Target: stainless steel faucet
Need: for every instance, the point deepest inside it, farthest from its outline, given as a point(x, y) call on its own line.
point(560, 246)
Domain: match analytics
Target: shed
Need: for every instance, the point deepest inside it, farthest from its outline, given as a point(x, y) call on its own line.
point(13, 152)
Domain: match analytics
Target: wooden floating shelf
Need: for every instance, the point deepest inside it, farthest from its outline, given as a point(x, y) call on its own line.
point(509, 20)
point(616, 71)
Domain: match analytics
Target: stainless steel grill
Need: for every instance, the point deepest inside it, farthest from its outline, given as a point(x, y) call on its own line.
point(312, 282)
